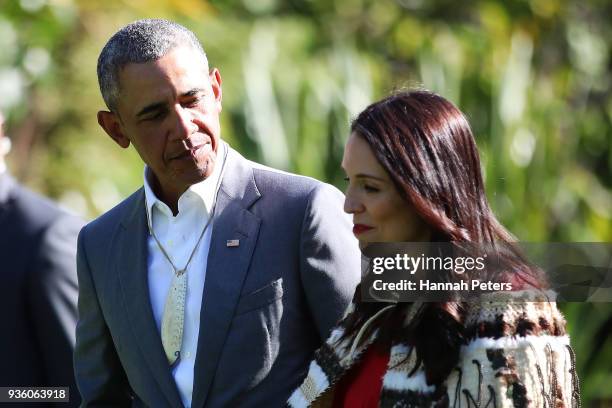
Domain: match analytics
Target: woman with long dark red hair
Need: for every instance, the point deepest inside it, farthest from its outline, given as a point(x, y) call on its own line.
point(414, 175)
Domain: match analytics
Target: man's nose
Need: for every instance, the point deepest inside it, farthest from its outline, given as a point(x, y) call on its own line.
point(185, 126)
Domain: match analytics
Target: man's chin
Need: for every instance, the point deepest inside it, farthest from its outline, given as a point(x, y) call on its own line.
point(207, 169)
point(195, 177)
point(201, 173)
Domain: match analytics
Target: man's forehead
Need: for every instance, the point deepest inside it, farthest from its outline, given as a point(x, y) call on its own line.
point(177, 72)
point(181, 60)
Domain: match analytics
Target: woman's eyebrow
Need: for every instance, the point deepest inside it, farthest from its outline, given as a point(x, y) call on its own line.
point(371, 176)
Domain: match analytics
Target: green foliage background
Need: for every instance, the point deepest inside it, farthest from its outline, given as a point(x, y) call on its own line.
point(532, 76)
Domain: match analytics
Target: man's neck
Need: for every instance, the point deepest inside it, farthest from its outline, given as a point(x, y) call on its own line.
point(168, 197)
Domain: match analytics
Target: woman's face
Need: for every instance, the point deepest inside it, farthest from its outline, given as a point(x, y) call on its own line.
point(380, 214)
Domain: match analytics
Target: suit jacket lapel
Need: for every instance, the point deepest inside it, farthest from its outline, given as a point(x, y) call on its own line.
point(132, 269)
point(226, 269)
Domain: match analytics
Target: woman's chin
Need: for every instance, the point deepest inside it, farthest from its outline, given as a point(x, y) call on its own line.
point(363, 244)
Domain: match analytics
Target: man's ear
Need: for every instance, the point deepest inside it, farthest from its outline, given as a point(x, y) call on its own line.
point(215, 82)
point(109, 121)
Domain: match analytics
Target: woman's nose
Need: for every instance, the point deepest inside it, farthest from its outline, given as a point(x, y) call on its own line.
point(352, 205)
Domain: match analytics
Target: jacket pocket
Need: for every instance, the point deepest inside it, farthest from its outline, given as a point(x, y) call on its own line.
point(260, 297)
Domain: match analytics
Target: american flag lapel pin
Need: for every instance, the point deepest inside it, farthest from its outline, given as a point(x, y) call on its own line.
point(232, 243)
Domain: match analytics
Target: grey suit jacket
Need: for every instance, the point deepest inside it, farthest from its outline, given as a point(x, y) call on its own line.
point(267, 304)
point(38, 291)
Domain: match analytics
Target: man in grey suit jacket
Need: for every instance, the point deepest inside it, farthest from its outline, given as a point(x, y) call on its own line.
point(274, 263)
point(38, 288)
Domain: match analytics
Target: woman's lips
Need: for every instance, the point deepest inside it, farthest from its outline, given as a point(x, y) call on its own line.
point(360, 229)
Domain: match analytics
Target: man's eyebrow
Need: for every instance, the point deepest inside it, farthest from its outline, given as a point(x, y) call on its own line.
point(194, 92)
point(150, 108)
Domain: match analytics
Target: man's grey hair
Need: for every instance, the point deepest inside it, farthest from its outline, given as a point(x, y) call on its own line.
point(139, 42)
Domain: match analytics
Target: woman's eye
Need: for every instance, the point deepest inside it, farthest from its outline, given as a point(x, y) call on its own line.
point(371, 189)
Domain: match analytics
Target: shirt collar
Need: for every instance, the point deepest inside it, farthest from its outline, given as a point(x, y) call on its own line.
point(202, 193)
